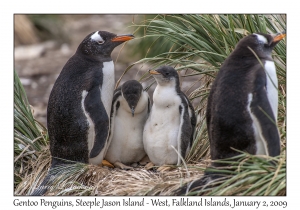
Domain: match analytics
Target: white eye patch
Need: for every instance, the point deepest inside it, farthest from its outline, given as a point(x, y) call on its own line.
point(261, 38)
point(96, 36)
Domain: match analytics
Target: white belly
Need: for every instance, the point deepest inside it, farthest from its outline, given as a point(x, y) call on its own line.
point(127, 137)
point(108, 85)
point(162, 128)
point(106, 94)
point(272, 86)
point(272, 94)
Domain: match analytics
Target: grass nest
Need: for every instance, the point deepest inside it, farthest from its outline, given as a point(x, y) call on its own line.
point(85, 179)
point(249, 175)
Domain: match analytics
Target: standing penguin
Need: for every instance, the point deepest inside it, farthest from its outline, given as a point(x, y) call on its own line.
point(80, 102)
point(130, 109)
point(242, 104)
point(171, 122)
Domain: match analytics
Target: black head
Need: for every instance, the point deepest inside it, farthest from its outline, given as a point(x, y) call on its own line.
point(261, 44)
point(132, 91)
point(101, 43)
point(165, 75)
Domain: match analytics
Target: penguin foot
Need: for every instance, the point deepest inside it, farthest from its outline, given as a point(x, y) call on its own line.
point(144, 160)
point(122, 166)
point(134, 165)
point(149, 166)
point(106, 163)
point(164, 168)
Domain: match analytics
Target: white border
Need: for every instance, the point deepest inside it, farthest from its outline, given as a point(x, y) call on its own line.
point(154, 7)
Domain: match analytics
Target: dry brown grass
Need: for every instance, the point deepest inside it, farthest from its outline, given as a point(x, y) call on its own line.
point(94, 180)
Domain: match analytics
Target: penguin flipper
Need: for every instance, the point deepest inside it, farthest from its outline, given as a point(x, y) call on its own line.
point(184, 137)
point(114, 108)
point(263, 116)
point(149, 106)
point(193, 118)
point(96, 110)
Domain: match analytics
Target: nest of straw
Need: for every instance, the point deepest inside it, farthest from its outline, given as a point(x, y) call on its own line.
point(85, 179)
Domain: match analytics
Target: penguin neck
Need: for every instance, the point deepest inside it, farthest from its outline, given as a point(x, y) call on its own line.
point(171, 84)
point(164, 94)
point(240, 62)
point(98, 58)
point(245, 55)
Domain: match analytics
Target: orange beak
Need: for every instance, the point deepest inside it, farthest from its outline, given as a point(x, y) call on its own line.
point(279, 37)
point(122, 38)
point(153, 72)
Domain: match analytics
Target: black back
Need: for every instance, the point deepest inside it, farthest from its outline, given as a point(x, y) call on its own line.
point(228, 121)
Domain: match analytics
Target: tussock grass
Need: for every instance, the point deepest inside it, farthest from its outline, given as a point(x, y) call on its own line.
point(248, 175)
point(30, 136)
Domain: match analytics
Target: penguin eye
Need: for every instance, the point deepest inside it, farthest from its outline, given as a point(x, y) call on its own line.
point(101, 42)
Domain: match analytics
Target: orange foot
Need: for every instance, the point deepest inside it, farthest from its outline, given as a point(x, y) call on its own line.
point(164, 168)
point(149, 166)
point(106, 163)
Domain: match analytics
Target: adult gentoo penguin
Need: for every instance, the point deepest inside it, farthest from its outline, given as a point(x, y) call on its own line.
point(130, 109)
point(171, 122)
point(80, 102)
point(242, 104)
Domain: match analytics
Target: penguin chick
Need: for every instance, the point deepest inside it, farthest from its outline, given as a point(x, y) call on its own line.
point(79, 104)
point(130, 109)
point(172, 120)
point(242, 104)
